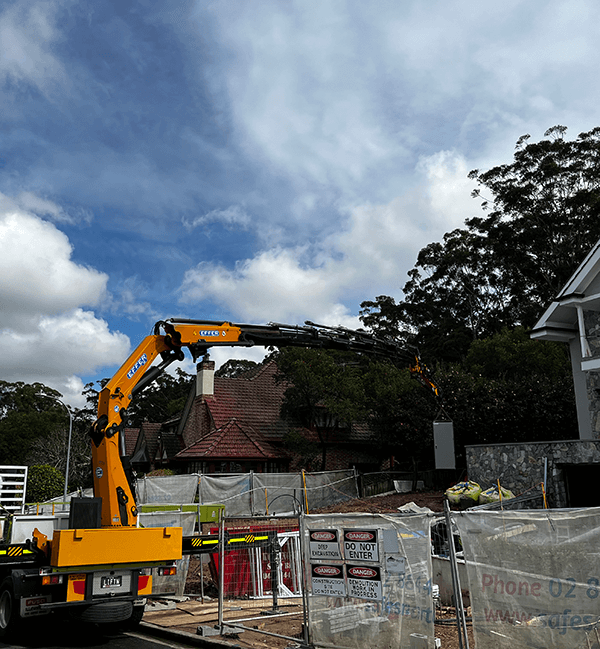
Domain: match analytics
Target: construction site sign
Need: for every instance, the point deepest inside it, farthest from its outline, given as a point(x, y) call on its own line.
point(364, 582)
point(327, 580)
point(361, 545)
point(324, 544)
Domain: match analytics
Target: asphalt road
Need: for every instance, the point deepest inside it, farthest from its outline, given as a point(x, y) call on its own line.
point(41, 635)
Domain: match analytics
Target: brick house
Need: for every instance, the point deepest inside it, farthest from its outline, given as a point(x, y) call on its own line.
point(233, 425)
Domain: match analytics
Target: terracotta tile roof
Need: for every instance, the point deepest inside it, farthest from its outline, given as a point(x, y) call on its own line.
point(233, 441)
point(151, 431)
point(171, 443)
point(255, 401)
point(131, 436)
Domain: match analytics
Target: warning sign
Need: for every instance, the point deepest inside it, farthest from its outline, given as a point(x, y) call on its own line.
point(361, 545)
point(327, 580)
point(324, 544)
point(364, 582)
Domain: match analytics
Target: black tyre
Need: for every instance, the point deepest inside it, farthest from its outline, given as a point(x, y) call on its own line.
point(9, 613)
point(136, 617)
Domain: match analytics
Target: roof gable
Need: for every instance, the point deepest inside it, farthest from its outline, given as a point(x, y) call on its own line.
point(148, 437)
point(232, 441)
point(560, 320)
point(131, 438)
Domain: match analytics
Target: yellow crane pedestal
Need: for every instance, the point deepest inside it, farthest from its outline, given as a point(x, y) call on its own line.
point(115, 545)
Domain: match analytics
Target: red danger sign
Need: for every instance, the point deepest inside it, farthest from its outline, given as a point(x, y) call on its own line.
point(363, 573)
point(327, 571)
point(359, 536)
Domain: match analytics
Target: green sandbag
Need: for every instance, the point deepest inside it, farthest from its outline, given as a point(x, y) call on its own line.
point(464, 493)
point(492, 495)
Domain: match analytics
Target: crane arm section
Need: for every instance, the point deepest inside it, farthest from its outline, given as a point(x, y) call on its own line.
point(112, 479)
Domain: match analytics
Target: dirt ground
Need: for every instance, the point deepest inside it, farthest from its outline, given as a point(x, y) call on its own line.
point(194, 613)
point(387, 503)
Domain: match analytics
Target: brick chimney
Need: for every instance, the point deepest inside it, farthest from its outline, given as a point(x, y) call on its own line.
point(205, 378)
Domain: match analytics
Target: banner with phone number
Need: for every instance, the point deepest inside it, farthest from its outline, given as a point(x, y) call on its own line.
point(534, 577)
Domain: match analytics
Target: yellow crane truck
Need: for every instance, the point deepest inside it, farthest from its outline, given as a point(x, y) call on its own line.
point(100, 567)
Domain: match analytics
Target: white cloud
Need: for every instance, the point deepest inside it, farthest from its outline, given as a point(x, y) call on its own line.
point(234, 215)
point(343, 99)
point(37, 275)
point(28, 32)
point(45, 334)
point(370, 255)
point(60, 349)
point(30, 202)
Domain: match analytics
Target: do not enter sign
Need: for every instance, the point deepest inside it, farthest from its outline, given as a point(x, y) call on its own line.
point(361, 545)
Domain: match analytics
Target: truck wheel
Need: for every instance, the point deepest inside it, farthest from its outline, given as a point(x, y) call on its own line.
point(9, 614)
point(136, 617)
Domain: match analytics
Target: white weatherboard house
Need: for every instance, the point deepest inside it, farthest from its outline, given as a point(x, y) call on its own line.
point(574, 317)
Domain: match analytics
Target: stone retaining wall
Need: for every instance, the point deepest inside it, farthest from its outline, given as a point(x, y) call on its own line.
point(520, 467)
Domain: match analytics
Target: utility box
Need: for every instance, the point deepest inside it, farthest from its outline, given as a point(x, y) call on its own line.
point(443, 439)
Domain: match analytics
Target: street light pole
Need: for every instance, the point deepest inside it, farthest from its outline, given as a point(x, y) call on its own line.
point(68, 451)
point(64, 405)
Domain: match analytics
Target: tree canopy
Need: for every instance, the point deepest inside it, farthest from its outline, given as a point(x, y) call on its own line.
point(27, 412)
point(236, 367)
point(541, 216)
point(162, 399)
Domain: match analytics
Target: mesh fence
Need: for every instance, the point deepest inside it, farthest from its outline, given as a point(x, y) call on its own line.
point(167, 489)
point(235, 492)
point(187, 521)
point(253, 494)
point(285, 492)
point(370, 580)
point(261, 559)
point(534, 577)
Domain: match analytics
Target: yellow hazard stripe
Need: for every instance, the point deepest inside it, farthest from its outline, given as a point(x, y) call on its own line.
point(250, 538)
point(196, 543)
point(15, 551)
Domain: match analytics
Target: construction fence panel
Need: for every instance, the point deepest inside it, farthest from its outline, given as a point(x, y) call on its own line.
point(370, 580)
point(258, 567)
point(252, 494)
point(254, 548)
point(534, 577)
point(176, 489)
point(330, 487)
point(294, 492)
point(278, 493)
point(171, 585)
point(233, 491)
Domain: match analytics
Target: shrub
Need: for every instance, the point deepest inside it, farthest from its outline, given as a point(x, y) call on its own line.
point(43, 483)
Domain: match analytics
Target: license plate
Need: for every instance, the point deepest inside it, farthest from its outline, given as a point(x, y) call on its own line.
point(111, 582)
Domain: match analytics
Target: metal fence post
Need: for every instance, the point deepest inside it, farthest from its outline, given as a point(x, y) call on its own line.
point(274, 557)
point(221, 569)
point(458, 601)
point(304, 570)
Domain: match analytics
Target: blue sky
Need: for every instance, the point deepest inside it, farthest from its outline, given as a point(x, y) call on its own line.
point(251, 161)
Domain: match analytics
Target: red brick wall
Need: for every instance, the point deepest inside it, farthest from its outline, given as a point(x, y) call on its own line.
point(338, 457)
point(198, 423)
